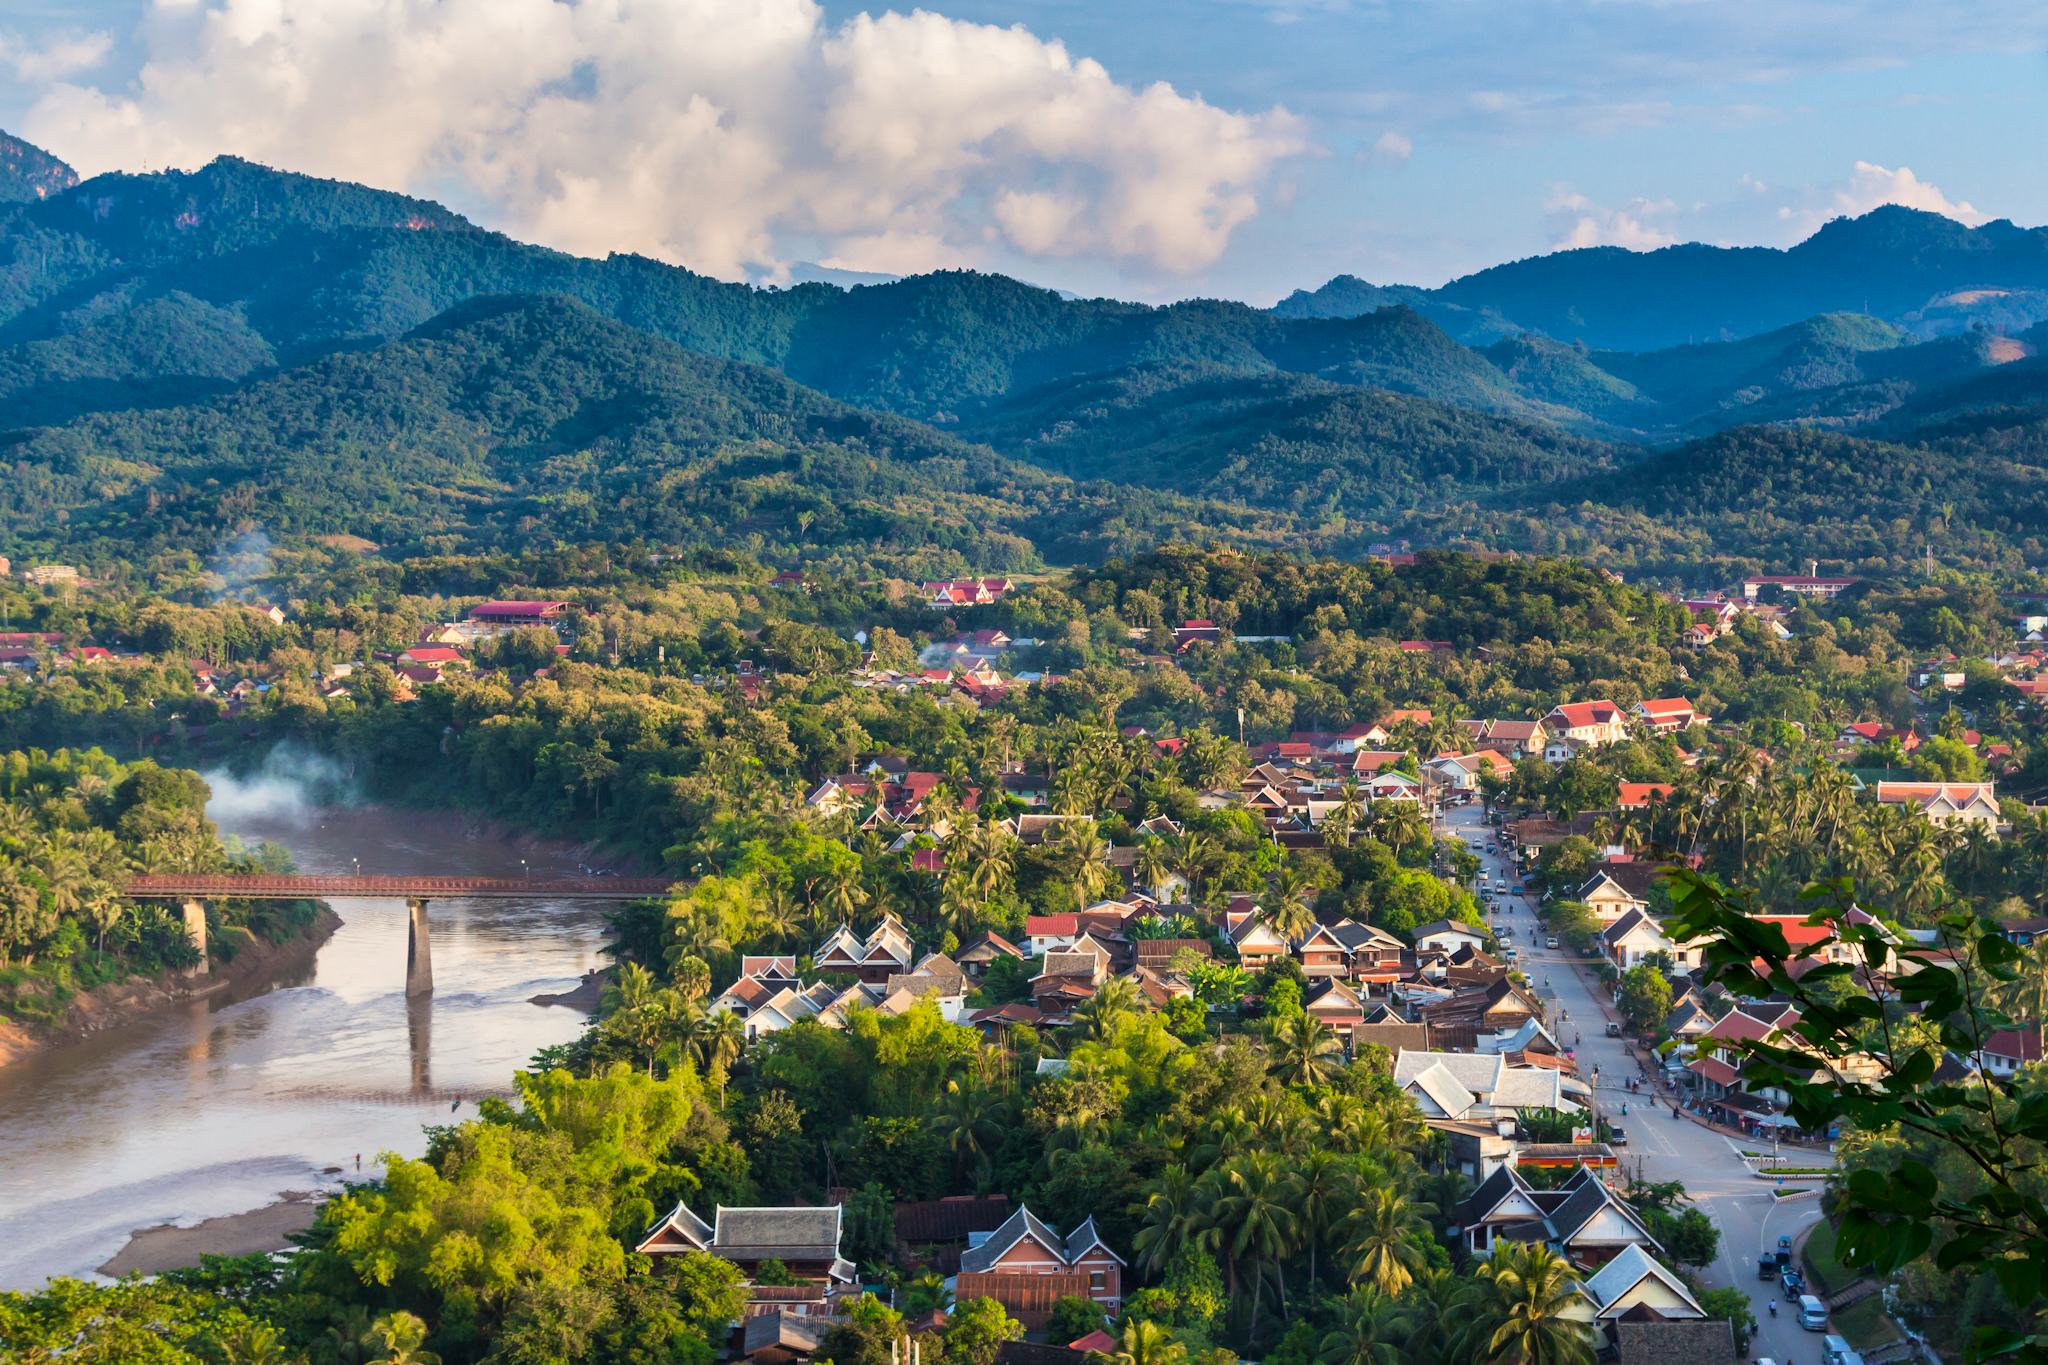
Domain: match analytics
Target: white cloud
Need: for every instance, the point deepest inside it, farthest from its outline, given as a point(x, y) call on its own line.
point(1873, 184)
point(1639, 225)
point(1392, 146)
point(711, 132)
point(1868, 186)
point(58, 57)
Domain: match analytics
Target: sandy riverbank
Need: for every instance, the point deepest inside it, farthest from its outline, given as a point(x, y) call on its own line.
point(152, 1251)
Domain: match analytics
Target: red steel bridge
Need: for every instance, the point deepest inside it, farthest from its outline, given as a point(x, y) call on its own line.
point(192, 890)
point(258, 886)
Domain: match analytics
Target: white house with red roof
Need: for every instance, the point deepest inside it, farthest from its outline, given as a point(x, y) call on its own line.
point(1587, 723)
point(1946, 803)
point(2007, 1051)
point(1666, 714)
point(1804, 585)
point(1642, 795)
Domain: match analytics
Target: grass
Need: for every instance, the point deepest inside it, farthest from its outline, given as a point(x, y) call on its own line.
point(1821, 1266)
point(1865, 1325)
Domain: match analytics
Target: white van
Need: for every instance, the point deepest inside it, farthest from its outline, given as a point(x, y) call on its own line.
point(1813, 1314)
point(1835, 1350)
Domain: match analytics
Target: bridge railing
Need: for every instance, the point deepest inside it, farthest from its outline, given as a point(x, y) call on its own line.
point(261, 886)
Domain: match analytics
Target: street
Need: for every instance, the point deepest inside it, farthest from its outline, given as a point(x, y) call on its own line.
point(1659, 1148)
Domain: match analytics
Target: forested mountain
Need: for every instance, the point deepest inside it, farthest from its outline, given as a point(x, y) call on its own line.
point(1281, 440)
point(1902, 264)
point(514, 417)
point(183, 351)
point(28, 173)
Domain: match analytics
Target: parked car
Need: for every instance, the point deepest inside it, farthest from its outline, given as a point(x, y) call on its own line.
point(1813, 1314)
point(1550, 941)
point(1791, 1281)
point(1613, 1029)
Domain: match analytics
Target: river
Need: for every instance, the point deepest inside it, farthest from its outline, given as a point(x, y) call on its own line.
point(216, 1107)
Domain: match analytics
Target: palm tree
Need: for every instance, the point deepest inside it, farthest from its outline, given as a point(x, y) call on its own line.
point(402, 1337)
point(1154, 864)
point(1113, 999)
point(1175, 1214)
point(255, 1343)
point(1289, 915)
point(1380, 1241)
point(1321, 1181)
point(970, 1123)
point(720, 1041)
point(1256, 1212)
point(1522, 1293)
point(1303, 1048)
point(1370, 1330)
point(1192, 855)
point(1145, 1342)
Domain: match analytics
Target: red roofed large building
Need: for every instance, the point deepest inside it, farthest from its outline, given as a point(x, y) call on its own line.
point(1666, 714)
point(1587, 722)
point(965, 592)
point(522, 612)
point(1945, 803)
point(1640, 795)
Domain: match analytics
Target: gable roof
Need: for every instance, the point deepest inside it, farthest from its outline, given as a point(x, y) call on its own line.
point(1629, 1269)
point(1018, 1226)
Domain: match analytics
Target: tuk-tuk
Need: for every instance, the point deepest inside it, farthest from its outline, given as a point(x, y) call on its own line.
point(1767, 1267)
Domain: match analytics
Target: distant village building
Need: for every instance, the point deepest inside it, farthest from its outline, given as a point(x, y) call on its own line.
point(1805, 585)
point(513, 615)
point(45, 574)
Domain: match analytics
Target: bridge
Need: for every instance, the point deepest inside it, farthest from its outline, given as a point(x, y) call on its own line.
point(191, 891)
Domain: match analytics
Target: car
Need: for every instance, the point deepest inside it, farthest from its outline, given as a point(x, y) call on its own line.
point(1550, 941)
point(1613, 1029)
point(1791, 1281)
point(1813, 1314)
point(1521, 890)
point(1617, 1136)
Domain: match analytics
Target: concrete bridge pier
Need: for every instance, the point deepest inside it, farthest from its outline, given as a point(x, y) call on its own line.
point(419, 953)
point(195, 928)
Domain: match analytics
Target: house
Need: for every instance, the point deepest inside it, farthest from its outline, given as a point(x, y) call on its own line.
point(1644, 1336)
point(2005, 1052)
point(1371, 954)
point(1463, 771)
point(1581, 1219)
point(1688, 1017)
point(1804, 585)
point(1666, 714)
point(1449, 935)
point(1586, 723)
point(1632, 1279)
point(436, 657)
point(1256, 942)
point(1717, 1063)
point(1069, 976)
point(1050, 933)
point(1462, 1018)
point(1635, 938)
point(885, 952)
point(1615, 888)
point(1945, 803)
point(1026, 1266)
point(804, 1240)
point(1483, 1087)
point(1515, 738)
point(1196, 632)
point(1336, 1004)
point(511, 615)
point(1643, 795)
point(977, 957)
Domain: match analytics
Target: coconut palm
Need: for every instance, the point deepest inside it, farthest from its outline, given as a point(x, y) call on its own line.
point(1370, 1329)
point(1381, 1235)
point(1113, 999)
point(1322, 1182)
point(255, 1343)
point(1145, 1342)
point(1260, 1230)
point(970, 1122)
point(1154, 864)
point(1175, 1214)
point(1303, 1048)
point(401, 1337)
point(1288, 913)
point(1521, 1296)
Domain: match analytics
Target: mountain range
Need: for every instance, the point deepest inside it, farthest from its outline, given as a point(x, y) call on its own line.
point(183, 348)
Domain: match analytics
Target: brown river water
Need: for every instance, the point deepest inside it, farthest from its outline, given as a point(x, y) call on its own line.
point(217, 1107)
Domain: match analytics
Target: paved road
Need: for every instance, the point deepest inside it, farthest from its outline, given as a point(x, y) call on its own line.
point(1707, 1163)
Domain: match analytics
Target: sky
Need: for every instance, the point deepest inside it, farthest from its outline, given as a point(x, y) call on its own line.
point(1146, 149)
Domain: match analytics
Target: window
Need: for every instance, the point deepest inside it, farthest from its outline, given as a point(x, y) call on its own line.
point(1097, 1282)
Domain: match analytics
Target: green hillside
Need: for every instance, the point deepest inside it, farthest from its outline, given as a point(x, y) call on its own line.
point(521, 417)
point(1278, 440)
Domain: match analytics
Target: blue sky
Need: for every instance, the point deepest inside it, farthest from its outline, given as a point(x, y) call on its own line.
point(1403, 142)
